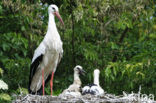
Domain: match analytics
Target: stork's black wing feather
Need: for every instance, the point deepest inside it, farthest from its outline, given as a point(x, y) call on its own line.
point(90, 85)
point(33, 68)
point(89, 91)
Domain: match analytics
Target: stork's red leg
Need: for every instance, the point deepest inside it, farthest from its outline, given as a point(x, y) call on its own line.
point(51, 83)
point(43, 80)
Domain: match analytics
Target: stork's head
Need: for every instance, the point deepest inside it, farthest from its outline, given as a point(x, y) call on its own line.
point(78, 69)
point(96, 72)
point(53, 9)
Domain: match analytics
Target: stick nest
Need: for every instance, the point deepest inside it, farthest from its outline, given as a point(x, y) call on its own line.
point(106, 98)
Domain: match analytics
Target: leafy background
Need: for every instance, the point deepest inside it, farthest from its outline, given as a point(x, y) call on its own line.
point(116, 36)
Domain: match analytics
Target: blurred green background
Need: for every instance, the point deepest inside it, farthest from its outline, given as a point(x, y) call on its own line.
point(116, 36)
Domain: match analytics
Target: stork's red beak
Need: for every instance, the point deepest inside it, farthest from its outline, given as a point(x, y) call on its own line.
point(59, 17)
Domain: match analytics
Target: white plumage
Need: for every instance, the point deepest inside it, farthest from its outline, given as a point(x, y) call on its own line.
point(47, 55)
point(75, 88)
point(94, 89)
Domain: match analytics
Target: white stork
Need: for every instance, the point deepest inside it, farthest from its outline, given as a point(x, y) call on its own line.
point(95, 88)
point(46, 56)
point(75, 88)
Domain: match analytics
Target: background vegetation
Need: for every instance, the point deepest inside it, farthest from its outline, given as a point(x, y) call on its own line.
point(116, 36)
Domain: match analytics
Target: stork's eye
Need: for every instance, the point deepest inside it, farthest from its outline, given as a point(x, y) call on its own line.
point(78, 68)
point(53, 8)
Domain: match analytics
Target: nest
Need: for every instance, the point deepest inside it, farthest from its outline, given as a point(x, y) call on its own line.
point(106, 98)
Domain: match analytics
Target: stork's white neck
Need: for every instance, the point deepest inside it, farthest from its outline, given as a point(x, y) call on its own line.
point(51, 24)
point(96, 78)
point(77, 78)
point(52, 38)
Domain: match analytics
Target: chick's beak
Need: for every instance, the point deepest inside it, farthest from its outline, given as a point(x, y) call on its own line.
point(82, 72)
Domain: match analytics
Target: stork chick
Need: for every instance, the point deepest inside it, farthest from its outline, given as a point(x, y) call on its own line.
point(95, 88)
point(75, 88)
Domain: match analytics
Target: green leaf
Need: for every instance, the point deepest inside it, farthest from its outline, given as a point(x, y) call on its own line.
point(23, 28)
point(5, 96)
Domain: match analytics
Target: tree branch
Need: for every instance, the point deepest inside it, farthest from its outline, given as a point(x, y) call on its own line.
point(120, 41)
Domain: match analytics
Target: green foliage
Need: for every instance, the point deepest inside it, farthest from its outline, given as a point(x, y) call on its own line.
point(116, 36)
point(5, 98)
point(23, 91)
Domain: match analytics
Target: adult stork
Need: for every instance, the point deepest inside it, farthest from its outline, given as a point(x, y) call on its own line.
point(95, 88)
point(47, 56)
